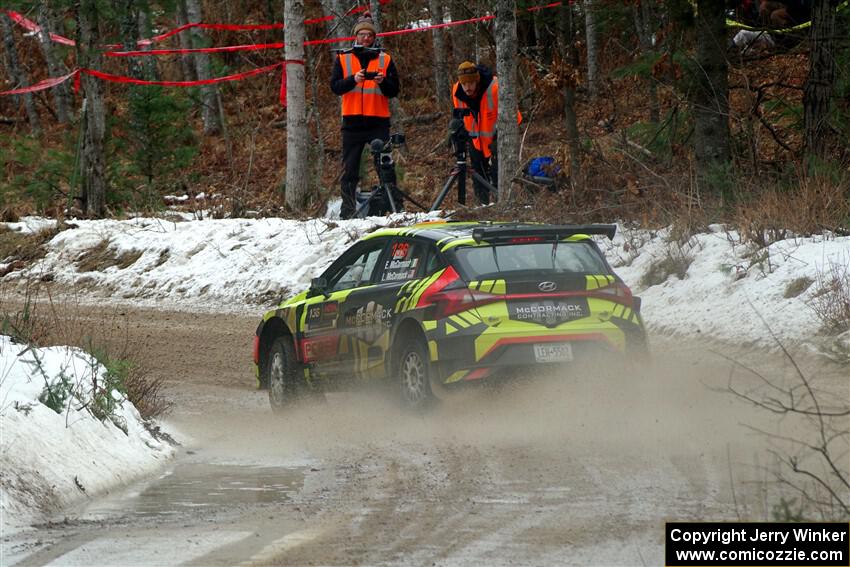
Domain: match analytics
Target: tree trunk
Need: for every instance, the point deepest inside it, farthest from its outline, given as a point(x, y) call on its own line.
point(55, 67)
point(644, 26)
point(570, 54)
point(819, 83)
point(441, 77)
point(710, 100)
point(297, 144)
point(128, 12)
point(92, 162)
point(210, 110)
point(18, 74)
point(592, 39)
point(506, 60)
point(187, 64)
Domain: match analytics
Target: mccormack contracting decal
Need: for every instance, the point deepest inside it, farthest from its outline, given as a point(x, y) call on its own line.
point(369, 321)
point(549, 312)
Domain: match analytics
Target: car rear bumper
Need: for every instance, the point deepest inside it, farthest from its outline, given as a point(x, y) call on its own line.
point(467, 356)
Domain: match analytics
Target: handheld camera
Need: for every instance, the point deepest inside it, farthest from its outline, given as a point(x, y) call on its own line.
point(370, 75)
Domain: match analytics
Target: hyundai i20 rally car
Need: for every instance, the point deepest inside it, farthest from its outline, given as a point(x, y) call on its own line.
point(440, 304)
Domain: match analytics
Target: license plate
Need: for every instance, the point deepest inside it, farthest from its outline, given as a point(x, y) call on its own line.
point(553, 352)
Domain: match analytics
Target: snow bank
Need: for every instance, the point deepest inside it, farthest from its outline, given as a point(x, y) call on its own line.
point(52, 459)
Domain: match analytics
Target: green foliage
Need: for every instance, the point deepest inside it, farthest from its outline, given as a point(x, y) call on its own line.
point(104, 402)
point(158, 143)
point(38, 174)
point(57, 392)
point(641, 67)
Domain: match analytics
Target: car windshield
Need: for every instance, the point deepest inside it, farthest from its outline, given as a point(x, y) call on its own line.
point(559, 257)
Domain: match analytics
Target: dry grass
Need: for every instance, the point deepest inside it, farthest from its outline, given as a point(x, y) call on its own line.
point(810, 207)
point(831, 301)
point(37, 317)
point(24, 247)
point(101, 256)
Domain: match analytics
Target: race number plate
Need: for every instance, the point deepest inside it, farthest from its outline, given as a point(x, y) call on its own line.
point(553, 352)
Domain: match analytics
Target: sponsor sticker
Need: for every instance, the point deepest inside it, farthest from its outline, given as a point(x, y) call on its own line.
point(549, 312)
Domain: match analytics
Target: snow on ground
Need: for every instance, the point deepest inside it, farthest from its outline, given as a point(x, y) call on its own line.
point(730, 290)
point(53, 458)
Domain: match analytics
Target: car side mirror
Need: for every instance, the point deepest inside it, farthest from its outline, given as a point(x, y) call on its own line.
point(319, 285)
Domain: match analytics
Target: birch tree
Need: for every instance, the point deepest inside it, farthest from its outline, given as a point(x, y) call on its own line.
point(297, 144)
point(55, 67)
point(819, 83)
point(187, 63)
point(710, 99)
point(441, 77)
point(210, 110)
point(592, 39)
point(506, 61)
point(18, 74)
point(92, 161)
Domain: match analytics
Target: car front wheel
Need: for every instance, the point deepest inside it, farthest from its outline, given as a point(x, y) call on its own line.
point(414, 373)
point(283, 374)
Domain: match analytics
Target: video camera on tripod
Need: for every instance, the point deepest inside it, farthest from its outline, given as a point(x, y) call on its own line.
point(385, 197)
point(460, 138)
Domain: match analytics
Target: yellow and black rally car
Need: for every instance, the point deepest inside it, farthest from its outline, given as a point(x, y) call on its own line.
point(439, 304)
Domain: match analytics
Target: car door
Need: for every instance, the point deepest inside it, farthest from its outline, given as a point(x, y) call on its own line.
point(324, 344)
point(370, 313)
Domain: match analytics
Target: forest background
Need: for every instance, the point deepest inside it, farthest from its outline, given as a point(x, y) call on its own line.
point(652, 112)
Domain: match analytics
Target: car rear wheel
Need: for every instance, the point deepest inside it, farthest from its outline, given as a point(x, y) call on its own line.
point(284, 387)
point(414, 374)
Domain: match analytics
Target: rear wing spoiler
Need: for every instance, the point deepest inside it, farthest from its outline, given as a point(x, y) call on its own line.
point(554, 232)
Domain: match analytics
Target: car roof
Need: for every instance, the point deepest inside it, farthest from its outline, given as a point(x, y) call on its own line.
point(450, 234)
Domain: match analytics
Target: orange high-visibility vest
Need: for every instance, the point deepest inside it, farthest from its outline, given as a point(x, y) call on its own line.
point(484, 127)
point(365, 99)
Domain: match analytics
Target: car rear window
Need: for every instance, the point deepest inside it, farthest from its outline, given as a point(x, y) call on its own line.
point(560, 257)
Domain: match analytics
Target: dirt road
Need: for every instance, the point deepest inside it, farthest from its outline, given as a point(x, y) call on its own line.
point(567, 469)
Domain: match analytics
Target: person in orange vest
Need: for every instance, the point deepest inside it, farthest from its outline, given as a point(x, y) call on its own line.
point(478, 90)
point(366, 78)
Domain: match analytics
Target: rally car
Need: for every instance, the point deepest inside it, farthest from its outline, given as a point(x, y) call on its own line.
point(439, 304)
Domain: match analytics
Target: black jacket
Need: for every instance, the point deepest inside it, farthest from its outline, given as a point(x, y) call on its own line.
point(340, 85)
point(474, 102)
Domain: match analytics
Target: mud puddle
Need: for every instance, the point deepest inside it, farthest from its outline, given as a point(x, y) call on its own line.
point(196, 489)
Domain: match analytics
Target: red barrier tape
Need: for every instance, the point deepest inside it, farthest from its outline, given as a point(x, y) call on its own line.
point(31, 26)
point(41, 85)
point(228, 48)
point(129, 80)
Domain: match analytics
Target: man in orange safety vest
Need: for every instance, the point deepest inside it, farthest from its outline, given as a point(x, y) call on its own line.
point(366, 78)
point(478, 90)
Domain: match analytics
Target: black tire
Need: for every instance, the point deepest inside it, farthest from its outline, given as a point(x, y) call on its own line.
point(284, 375)
point(413, 371)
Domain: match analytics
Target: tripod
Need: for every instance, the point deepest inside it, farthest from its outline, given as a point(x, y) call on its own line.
point(386, 197)
point(460, 139)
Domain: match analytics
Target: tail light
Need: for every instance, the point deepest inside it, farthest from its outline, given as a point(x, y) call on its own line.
point(450, 295)
point(621, 294)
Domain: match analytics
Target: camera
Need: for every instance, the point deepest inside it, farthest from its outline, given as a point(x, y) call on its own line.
point(369, 76)
point(461, 113)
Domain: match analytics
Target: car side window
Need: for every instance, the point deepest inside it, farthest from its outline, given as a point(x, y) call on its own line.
point(404, 261)
point(360, 270)
point(435, 262)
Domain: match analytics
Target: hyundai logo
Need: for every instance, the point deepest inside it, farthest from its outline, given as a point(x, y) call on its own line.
point(547, 286)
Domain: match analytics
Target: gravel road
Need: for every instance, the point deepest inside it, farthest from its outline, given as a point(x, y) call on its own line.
point(570, 468)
